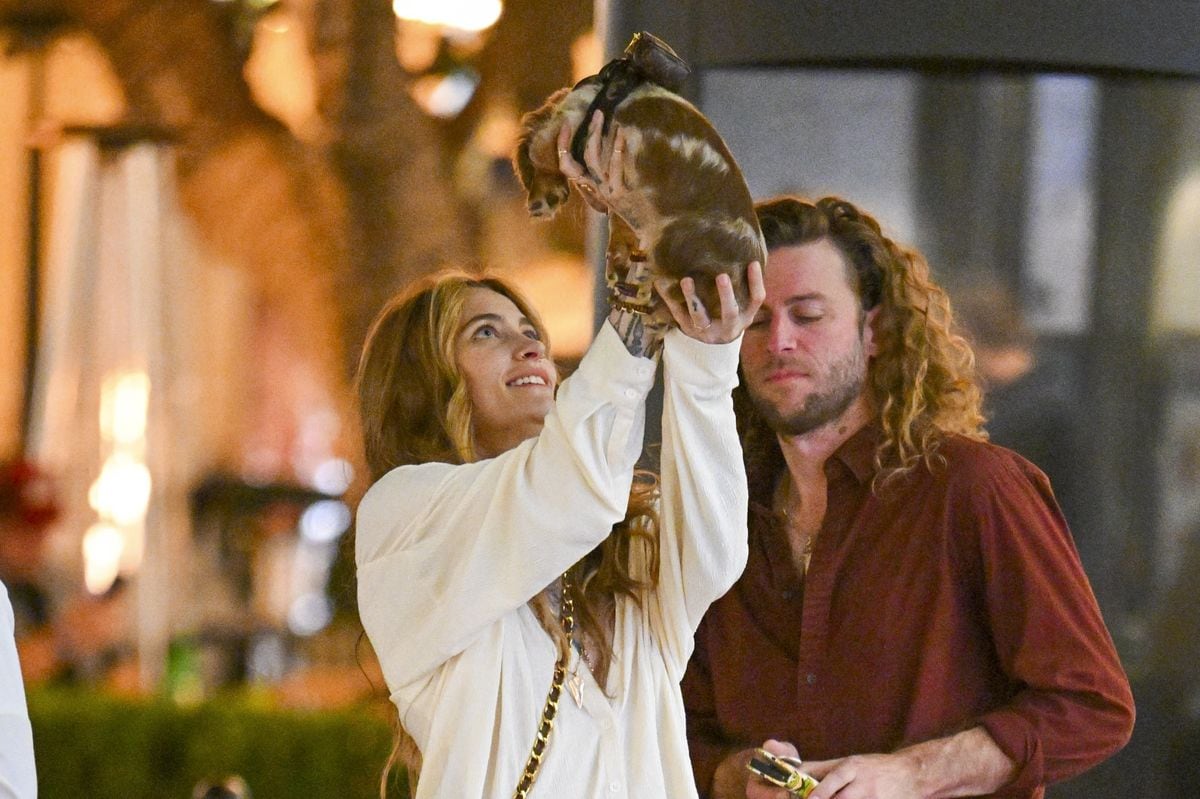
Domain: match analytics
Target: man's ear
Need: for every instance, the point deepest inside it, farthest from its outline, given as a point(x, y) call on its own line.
point(870, 336)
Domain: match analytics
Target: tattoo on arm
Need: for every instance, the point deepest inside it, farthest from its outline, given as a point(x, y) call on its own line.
point(640, 339)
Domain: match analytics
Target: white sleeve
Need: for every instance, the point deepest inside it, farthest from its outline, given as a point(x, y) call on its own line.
point(443, 551)
point(702, 514)
point(18, 777)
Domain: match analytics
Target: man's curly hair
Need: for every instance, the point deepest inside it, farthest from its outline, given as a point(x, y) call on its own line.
point(922, 380)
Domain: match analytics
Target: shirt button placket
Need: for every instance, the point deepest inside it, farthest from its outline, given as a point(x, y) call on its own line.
point(612, 752)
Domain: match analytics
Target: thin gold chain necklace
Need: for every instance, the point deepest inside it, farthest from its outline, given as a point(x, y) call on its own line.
point(784, 500)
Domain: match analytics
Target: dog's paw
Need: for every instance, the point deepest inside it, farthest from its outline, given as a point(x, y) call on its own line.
point(546, 202)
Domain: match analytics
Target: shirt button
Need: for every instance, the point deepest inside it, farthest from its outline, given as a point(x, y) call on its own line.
point(629, 392)
point(614, 787)
point(788, 593)
point(810, 678)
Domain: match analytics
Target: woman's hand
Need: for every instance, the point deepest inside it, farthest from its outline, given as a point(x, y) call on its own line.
point(604, 182)
point(692, 317)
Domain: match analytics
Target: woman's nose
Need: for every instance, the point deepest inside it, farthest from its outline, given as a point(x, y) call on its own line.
point(531, 349)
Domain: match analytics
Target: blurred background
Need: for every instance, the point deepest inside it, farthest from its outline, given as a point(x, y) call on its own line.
point(203, 203)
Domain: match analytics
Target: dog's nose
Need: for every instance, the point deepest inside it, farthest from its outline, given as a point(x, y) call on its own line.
point(536, 207)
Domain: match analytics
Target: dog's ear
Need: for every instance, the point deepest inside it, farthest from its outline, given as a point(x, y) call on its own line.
point(522, 162)
point(531, 123)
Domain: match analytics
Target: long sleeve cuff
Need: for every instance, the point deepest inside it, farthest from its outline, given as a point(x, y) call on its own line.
point(696, 363)
point(1016, 738)
point(610, 370)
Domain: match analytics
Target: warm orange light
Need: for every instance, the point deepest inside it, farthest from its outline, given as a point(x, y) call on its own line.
point(124, 398)
point(103, 546)
point(122, 491)
point(463, 15)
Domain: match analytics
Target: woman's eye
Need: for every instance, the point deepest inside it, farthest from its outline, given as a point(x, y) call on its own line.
point(533, 334)
point(485, 331)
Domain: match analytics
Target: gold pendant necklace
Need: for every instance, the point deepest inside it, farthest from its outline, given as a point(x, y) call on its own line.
point(575, 686)
point(567, 610)
point(784, 500)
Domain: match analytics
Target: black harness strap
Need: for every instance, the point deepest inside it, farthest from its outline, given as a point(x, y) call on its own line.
point(617, 80)
point(647, 59)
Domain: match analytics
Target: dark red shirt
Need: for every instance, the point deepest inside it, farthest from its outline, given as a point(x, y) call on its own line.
point(950, 598)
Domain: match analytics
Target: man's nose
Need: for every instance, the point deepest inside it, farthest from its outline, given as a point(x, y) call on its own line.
point(781, 337)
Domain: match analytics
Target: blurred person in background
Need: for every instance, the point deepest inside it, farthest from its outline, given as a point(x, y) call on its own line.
point(1030, 407)
point(506, 548)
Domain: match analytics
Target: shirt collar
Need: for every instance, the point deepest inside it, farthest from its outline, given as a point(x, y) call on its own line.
point(857, 453)
point(856, 456)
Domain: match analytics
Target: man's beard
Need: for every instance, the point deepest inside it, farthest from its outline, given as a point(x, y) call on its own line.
point(845, 384)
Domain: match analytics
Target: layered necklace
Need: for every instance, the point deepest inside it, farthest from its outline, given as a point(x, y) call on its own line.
point(575, 638)
point(792, 524)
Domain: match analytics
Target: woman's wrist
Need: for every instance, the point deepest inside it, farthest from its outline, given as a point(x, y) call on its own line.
point(640, 332)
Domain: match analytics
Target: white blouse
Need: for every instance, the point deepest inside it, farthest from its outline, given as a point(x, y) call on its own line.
point(18, 777)
point(449, 556)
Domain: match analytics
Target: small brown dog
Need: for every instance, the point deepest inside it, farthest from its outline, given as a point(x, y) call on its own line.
point(689, 210)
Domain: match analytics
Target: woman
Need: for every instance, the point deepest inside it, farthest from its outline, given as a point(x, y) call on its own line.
point(499, 571)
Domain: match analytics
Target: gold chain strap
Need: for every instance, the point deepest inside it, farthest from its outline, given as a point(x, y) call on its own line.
point(567, 616)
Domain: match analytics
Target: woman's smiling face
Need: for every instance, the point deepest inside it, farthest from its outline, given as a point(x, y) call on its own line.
point(509, 376)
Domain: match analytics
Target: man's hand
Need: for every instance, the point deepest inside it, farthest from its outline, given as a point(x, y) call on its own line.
point(732, 780)
point(968, 763)
point(866, 777)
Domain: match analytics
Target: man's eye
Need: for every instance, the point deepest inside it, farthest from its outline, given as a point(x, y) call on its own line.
point(759, 321)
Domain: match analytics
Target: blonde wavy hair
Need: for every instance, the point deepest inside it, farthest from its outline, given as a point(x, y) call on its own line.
point(415, 408)
point(922, 379)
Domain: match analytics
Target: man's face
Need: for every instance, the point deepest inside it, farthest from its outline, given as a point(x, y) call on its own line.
point(805, 355)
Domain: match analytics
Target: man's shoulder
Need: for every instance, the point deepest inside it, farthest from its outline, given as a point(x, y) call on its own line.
point(973, 462)
point(963, 451)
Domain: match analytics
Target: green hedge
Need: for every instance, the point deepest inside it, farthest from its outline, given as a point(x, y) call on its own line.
point(96, 746)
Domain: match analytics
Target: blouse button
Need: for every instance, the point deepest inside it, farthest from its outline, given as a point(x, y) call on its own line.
point(810, 678)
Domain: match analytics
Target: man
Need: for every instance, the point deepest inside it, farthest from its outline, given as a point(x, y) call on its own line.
point(913, 618)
